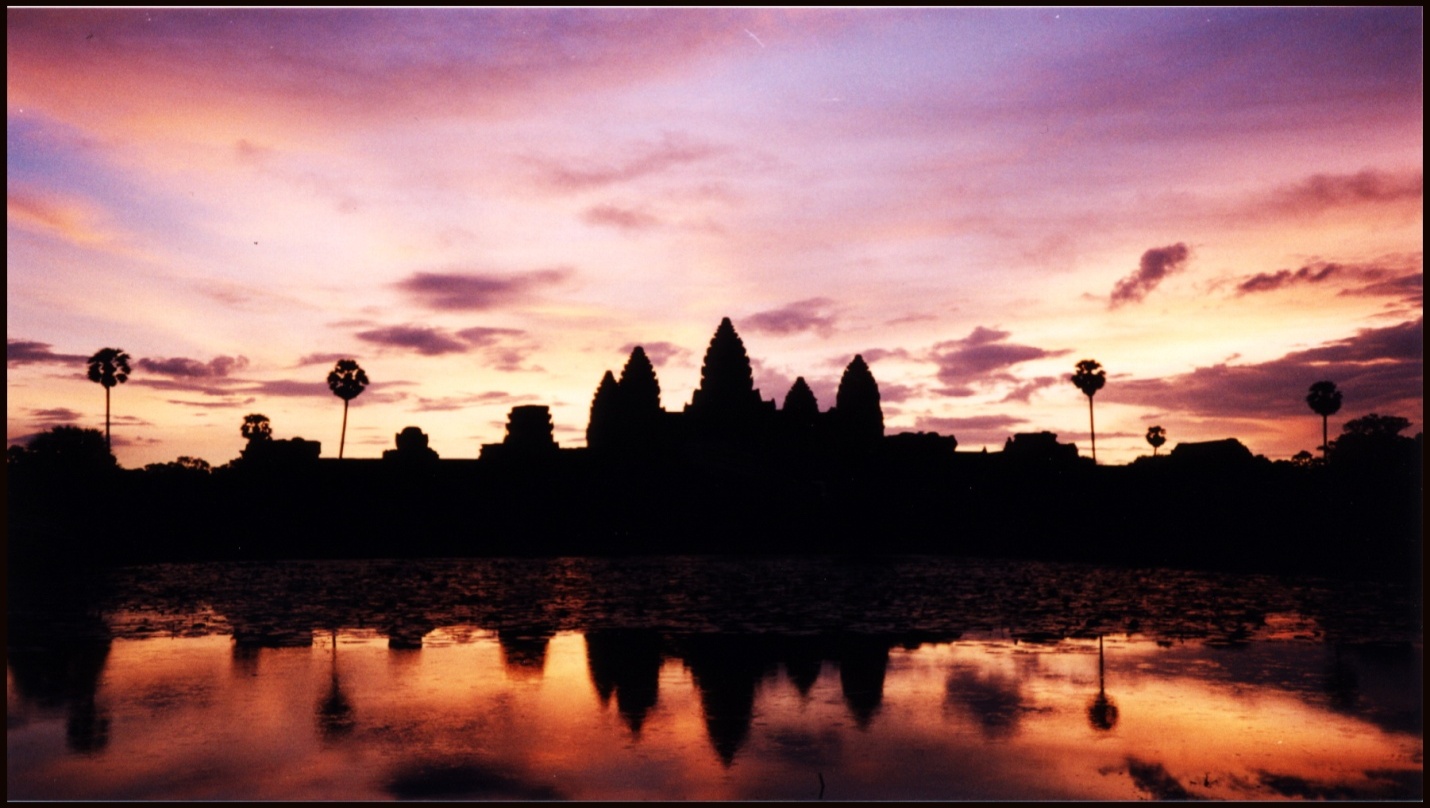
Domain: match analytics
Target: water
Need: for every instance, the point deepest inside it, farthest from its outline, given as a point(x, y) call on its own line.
point(902, 678)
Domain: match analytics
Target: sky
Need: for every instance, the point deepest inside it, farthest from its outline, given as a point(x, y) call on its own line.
point(490, 208)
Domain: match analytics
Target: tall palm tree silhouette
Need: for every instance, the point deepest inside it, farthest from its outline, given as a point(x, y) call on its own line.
point(110, 366)
point(1156, 436)
point(1089, 378)
point(256, 426)
point(346, 381)
point(1325, 401)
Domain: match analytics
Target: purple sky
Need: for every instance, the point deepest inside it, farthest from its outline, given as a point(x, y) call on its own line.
point(491, 207)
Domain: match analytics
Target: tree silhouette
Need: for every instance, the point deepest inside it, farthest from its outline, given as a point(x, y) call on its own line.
point(110, 366)
point(1089, 378)
point(256, 426)
point(1325, 401)
point(64, 450)
point(1376, 426)
point(1156, 436)
point(347, 382)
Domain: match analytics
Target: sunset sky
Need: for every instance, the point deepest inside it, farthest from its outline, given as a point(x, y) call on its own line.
point(489, 208)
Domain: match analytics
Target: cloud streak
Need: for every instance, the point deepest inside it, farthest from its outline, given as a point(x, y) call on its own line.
point(794, 318)
point(1322, 192)
point(672, 151)
point(1378, 370)
point(619, 218)
point(29, 352)
point(1156, 264)
point(981, 357)
point(464, 291)
point(183, 368)
point(1393, 277)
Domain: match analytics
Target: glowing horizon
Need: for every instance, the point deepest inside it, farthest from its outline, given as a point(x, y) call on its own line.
point(488, 208)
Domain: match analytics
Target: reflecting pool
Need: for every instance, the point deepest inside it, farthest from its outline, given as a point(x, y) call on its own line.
point(907, 678)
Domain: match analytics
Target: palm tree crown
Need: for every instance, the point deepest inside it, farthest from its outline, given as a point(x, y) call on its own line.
point(256, 426)
point(347, 382)
point(109, 366)
point(1089, 378)
point(347, 379)
point(1325, 401)
point(1156, 436)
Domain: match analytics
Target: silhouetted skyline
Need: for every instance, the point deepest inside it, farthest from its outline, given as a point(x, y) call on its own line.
point(488, 208)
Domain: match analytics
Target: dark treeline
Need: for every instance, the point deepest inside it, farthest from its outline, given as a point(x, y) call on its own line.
point(1209, 505)
point(734, 473)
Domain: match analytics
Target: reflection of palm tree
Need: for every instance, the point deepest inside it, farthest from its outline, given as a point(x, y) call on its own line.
point(335, 714)
point(1325, 401)
point(110, 366)
point(346, 381)
point(1102, 713)
point(1090, 378)
point(1156, 436)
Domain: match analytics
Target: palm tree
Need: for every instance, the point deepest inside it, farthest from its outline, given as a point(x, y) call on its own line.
point(1156, 436)
point(256, 426)
point(1089, 378)
point(1325, 401)
point(110, 366)
point(346, 381)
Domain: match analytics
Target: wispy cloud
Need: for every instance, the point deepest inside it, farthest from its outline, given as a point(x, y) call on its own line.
point(981, 357)
point(659, 353)
point(467, 291)
point(619, 218)
point(181, 367)
point(1378, 369)
point(452, 403)
point(215, 405)
point(1321, 192)
point(637, 160)
point(971, 430)
point(1024, 391)
point(1395, 277)
point(1156, 265)
point(804, 315)
point(29, 352)
point(70, 220)
point(54, 415)
point(320, 359)
point(426, 341)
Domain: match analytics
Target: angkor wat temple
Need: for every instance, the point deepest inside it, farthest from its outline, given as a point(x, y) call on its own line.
point(726, 420)
point(732, 472)
point(727, 410)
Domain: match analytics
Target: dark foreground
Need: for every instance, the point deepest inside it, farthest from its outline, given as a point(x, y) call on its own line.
point(1356, 519)
point(882, 677)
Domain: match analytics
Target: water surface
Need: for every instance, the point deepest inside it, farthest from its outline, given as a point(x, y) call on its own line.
point(904, 678)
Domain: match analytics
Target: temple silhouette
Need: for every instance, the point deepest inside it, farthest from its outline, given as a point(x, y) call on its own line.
point(727, 413)
point(733, 472)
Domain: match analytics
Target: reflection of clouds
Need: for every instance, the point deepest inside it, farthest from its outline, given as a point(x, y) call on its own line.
point(1154, 779)
point(463, 779)
point(1380, 784)
point(807, 749)
point(992, 699)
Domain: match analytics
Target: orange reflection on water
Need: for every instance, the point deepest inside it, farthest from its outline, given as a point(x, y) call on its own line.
point(530, 715)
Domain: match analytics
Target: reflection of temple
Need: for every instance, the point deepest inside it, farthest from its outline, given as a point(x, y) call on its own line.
point(625, 663)
point(524, 650)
